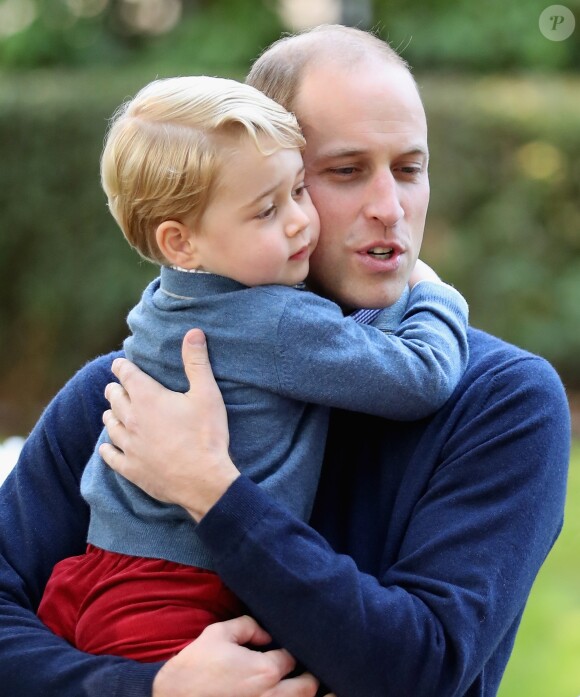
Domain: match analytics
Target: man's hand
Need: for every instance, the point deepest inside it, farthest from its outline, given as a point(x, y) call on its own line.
point(217, 664)
point(173, 446)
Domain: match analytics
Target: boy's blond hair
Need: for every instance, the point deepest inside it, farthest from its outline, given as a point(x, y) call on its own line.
point(162, 154)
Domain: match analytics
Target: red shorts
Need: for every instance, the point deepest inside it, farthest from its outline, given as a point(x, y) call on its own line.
point(144, 609)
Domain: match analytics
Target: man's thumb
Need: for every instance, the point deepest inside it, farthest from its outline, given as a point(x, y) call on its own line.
point(194, 353)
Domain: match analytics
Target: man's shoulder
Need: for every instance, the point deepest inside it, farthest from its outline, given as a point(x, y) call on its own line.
point(74, 416)
point(92, 377)
point(494, 362)
point(99, 366)
point(487, 349)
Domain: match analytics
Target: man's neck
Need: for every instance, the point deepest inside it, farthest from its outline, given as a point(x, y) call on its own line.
point(390, 316)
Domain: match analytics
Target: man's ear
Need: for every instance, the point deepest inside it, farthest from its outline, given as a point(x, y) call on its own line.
point(177, 243)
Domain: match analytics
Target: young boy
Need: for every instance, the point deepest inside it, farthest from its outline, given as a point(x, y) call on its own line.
point(205, 176)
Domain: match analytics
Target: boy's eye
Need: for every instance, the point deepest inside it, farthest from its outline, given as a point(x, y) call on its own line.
point(299, 191)
point(268, 213)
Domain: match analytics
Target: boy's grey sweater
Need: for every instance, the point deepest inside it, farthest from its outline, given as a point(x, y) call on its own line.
point(281, 357)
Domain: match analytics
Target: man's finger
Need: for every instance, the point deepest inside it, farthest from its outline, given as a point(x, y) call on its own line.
point(282, 661)
point(115, 429)
point(122, 368)
point(119, 400)
point(195, 348)
point(305, 685)
point(135, 382)
point(112, 456)
point(196, 361)
point(245, 630)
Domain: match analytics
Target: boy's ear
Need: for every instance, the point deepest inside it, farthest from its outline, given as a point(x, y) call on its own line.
point(177, 243)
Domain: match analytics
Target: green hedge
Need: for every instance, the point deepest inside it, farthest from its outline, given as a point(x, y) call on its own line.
point(504, 221)
point(503, 225)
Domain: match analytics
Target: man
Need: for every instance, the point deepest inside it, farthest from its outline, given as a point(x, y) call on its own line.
point(426, 536)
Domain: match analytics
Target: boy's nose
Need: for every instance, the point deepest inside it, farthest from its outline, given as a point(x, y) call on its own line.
point(298, 221)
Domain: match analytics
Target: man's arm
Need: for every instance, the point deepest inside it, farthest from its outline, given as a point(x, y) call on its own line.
point(441, 614)
point(471, 549)
point(44, 519)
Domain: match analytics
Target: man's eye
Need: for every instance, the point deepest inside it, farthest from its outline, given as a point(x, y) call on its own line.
point(411, 170)
point(343, 171)
point(266, 214)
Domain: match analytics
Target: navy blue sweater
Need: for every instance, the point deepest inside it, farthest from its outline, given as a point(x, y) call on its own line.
point(427, 537)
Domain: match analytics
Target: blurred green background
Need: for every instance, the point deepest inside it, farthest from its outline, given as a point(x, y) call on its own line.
point(503, 103)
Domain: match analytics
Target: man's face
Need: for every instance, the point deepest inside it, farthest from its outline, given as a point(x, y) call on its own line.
point(366, 169)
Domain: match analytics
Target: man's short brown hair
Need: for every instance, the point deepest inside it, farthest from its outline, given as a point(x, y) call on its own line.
point(279, 69)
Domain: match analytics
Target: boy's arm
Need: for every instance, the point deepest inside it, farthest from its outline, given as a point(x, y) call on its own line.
point(325, 358)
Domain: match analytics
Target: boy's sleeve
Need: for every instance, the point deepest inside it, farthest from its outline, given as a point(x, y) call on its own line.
point(325, 358)
point(43, 519)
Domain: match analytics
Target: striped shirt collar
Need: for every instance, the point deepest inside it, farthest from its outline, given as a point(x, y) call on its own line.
point(390, 316)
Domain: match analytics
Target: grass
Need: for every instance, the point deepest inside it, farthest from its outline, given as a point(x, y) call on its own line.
point(546, 658)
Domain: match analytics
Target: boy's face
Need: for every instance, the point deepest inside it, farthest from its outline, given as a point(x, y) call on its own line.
point(260, 226)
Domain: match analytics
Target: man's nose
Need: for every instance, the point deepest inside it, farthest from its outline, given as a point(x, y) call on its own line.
point(383, 202)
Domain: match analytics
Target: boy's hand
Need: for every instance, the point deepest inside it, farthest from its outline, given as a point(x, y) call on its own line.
point(423, 272)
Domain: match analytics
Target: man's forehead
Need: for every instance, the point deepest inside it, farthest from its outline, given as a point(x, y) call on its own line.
point(338, 71)
point(336, 127)
point(373, 95)
point(337, 151)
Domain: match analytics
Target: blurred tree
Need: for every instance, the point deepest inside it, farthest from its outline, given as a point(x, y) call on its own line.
point(467, 35)
point(44, 33)
point(440, 34)
point(221, 35)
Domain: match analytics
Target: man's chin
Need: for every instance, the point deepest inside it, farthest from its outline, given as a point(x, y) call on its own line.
point(359, 295)
point(384, 296)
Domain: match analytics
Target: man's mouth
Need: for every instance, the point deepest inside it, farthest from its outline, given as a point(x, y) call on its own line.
point(381, 252)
